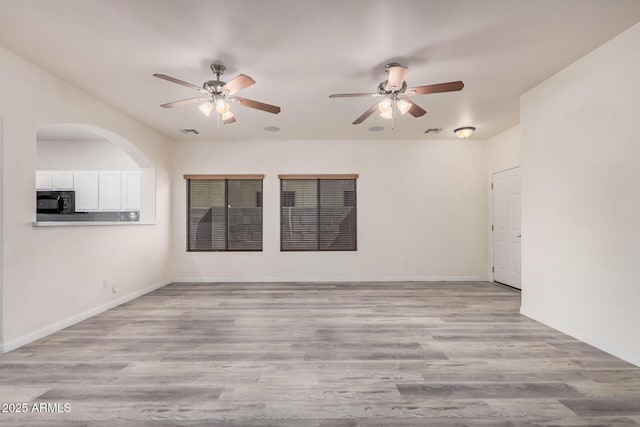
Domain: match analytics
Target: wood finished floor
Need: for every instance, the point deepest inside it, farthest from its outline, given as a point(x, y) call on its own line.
point(349, 354)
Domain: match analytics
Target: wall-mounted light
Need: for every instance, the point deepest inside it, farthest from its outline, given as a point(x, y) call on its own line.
point(464, 132)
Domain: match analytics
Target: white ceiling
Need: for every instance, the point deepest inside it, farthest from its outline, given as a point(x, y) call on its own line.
point(299, 52)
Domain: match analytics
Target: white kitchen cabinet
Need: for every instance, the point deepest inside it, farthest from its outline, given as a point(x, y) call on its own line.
point(44, 180)
point(54, 180)
point(131, 191)
point(86, 185)
point(95, 190)
point(62, 180)
point(110, 191)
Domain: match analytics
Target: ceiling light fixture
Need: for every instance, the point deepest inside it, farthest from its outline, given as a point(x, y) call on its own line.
point(387, 114)
point(221, 106)
point(206, 108)
point(464, 132)
point(385, 106)
point(390, 105)
point(403, 106)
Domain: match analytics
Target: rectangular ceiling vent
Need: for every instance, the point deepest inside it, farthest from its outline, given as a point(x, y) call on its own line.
point(433, 130)
point(190, 131)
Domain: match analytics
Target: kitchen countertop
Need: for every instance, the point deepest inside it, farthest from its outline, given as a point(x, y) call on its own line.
point(88, 219)
point(86, 223)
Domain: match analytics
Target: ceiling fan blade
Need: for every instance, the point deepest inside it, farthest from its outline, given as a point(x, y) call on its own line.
point(353, 95)
point(366, 115)
point(257, 105)
point(183, 102)
point(237, 84)
point(415, 110)
point(180, 82)
point(230, 120)
point(396, 77)
point(441, 87)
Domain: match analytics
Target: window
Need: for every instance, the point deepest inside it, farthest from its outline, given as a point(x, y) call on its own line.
point(318, 213)
point(224, 213)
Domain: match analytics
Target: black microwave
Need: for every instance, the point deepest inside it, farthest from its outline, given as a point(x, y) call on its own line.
point(56, 202)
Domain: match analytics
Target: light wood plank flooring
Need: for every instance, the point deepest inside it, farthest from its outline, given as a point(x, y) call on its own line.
point(341, 354)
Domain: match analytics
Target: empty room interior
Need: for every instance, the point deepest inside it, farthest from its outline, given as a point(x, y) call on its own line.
point(337, 213)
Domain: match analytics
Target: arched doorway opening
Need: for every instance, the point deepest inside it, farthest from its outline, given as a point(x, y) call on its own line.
point(87, 173)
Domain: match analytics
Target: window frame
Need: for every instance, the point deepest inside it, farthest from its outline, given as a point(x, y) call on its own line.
point(318, 178)
point(226, 178)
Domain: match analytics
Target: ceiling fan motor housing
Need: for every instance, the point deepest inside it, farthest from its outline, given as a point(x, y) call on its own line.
point(383, 91)
point(214, 86)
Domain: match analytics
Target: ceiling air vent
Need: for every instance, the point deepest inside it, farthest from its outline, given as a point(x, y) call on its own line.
point(433, 130)
point(190, 131)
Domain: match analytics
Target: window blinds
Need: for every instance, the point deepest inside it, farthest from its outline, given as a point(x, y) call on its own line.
point(318, 213)
point(224, 213)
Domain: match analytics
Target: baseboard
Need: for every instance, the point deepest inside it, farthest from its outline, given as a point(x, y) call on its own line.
point(586, 338)
point(236, 279)
point(69, 321)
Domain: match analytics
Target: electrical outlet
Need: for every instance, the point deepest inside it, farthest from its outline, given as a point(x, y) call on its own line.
point(106, 284)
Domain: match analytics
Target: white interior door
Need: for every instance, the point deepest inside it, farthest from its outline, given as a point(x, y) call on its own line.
point(506, 227)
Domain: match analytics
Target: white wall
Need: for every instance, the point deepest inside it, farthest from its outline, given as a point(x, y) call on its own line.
point(502, 152)
point(54, 275)
point(1, 235)
point(83, 155)
point(421, 209)
point(581, 198)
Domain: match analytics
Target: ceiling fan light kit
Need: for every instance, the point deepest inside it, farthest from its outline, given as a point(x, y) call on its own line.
point(217, 93)
point(464, 132)
point(206, 108)
point(396, 95)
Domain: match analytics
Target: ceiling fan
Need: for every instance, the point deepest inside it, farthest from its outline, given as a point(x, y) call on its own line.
point(216, 93)
point(396, 95)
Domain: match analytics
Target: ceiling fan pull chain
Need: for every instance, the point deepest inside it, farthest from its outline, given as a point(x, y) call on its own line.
point(393, 114)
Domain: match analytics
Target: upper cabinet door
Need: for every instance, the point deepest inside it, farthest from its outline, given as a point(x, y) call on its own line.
point(131, 191)
point(62, 180)
point(86, 186)
point(44, 180)
point(110, 190)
